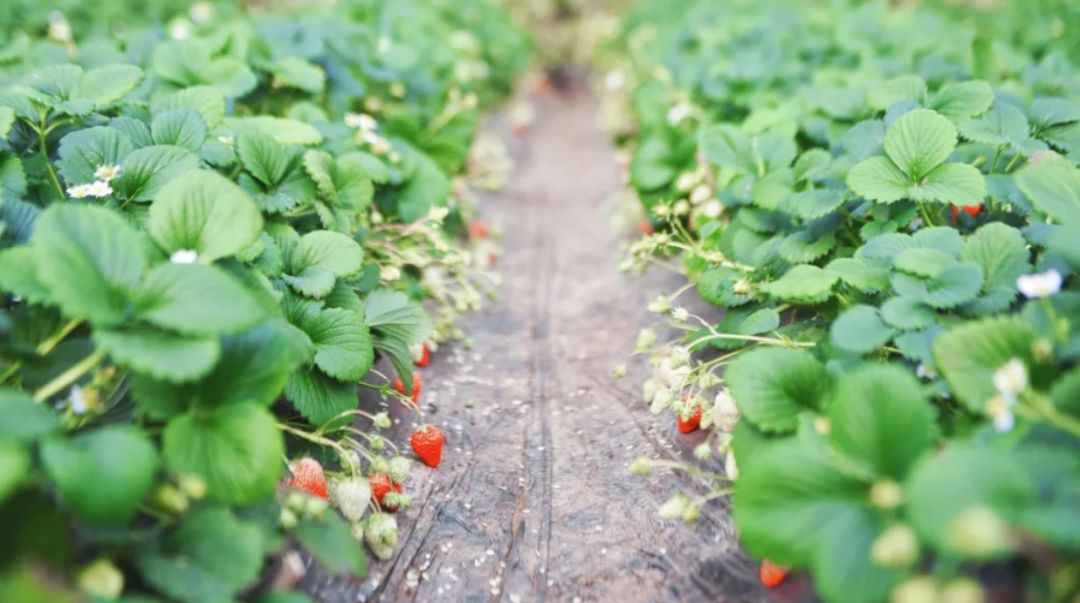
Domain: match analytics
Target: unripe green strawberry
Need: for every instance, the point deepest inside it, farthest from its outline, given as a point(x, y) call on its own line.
point(379, 465)
point(395, 501)
point(192, 485)
point(886, 494)
point(979, 533)
point(382, 421)
point(399, 469)
point(381, 535)
point(920, 589)
point(168, 498)
point(962, 590)
point(896, 548)
point(101, 579)
point(351, 496)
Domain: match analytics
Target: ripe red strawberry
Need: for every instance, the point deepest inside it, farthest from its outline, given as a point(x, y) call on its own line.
point(771, 574)
point(427, 443)
point(307, 475)
point(971, 210)
point(645, 227)
point(422, 355)
point(417, 385)
point(478, 229)
point(691, 424)
point(381, 485)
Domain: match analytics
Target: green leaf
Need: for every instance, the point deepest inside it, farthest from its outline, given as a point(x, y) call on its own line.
point(923, 261)
point(82, 152)
point(180, 127)
point(860, 330)
point(805, 246)
point(427, 187)
point(298, 73)
point(958, 479)
point(102, 474)
point(969, 355)
point(785, 510)
point(331, 543)
point(954, 285)
point(266, 159)
point(18, 275)
point(859, 274)
point(956, 183)
point(961, 100)
point(771, 386)
point(237, 449)
point(814, 204)
point(326, 250)
point(147, 170)
point(716, 286)
point(209, 558)
point(22, 419)
point(911, 88)
point(919, 141)
point(312, 282)
point(1003, 255)
point(195, 300)
point(344, 182)
point(283, 130)
point(15, 464)
point(844, 570)
point(727, 146)
point(204, 212)
point(320, 398)
point(166, 356)
point(1053, 186)
point(7, 120)
point(208, 101)
point(343, 344)
point(878, 179)
point(865, 139)
point(803, 284)
point(1002, 125)
point(89, 259)
point(106, 84)
point(1065, 393)
point(880, 420)
point(907, 313)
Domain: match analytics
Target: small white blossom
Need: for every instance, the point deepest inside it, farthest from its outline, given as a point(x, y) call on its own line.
point(180, 29)
point(201, 12)
point(77, 401)
point(1005, 422)
point(678, 113)
point(614, 80)
point(107, 172)
point(184, 256)
point(228, 141)
point(660, 305)
point(362, 121)
point(925, 372)
point(59, 27)
point(712, 209)
point(680, 314)
point(390, 274)
point(1044, 284)
point(681, 207)
point(700, 194)
point(646, 339)
point(730, 469)
point(1011, 379)
point(741, 287)
point(99, 188)
point(686, 182)
point(79, 191)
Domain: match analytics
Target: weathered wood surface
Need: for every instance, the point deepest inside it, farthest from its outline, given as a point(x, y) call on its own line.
point(533, 501)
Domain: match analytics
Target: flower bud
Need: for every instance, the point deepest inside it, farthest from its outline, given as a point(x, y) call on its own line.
point(641, 466)
point(962, 590)
point(896, 548)
point(674, 507)
point(920, 589)
point(101, 579)
point(886, 494)
point(978, 532)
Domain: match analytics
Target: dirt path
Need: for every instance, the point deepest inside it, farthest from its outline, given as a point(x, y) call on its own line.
point(534, 501)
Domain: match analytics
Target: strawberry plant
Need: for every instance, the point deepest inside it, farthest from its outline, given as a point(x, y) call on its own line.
point(213, 223)
point(883, 202)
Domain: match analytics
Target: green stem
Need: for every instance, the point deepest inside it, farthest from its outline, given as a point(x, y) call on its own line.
point(43, 147)
point(1045, 410)
point(47, 346)
point(69, 376)
point(1008, 168)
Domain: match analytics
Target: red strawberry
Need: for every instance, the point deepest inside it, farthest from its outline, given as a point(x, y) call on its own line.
point(427, 443)
point(478, 229)
point(381, 485)
point(645, 227)
point(691, 424)
point(417, 385)
point(971, 210)
point(422, 355)
point(771, 574)
point(307, 475)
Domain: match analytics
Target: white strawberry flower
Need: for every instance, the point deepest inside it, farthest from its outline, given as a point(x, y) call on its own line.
point(645, 340)
point(107, 172)
point(1005, 422)
point(680, 314)
point(660, 305)
point(700, 194)
point(228, 141)
point(77, 401)
point(686, 182)
point(362, 121)
point(79, 191)
point(184, 256)
point(741, 287)
point(180, 29)
point(615, 80)
point(725, 413)
point(201, 12)
point(678, 113)
point(712, 209)
point(99, 188)
point(59, 27)
point(390, 274)
point(383, 45)
point(1039, 285)
point(1011, 379)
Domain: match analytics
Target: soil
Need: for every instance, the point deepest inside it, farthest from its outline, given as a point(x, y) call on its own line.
point(534, 501)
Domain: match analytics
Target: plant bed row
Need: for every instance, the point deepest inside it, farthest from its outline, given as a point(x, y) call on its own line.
point(213, 223)
point(885, 201)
